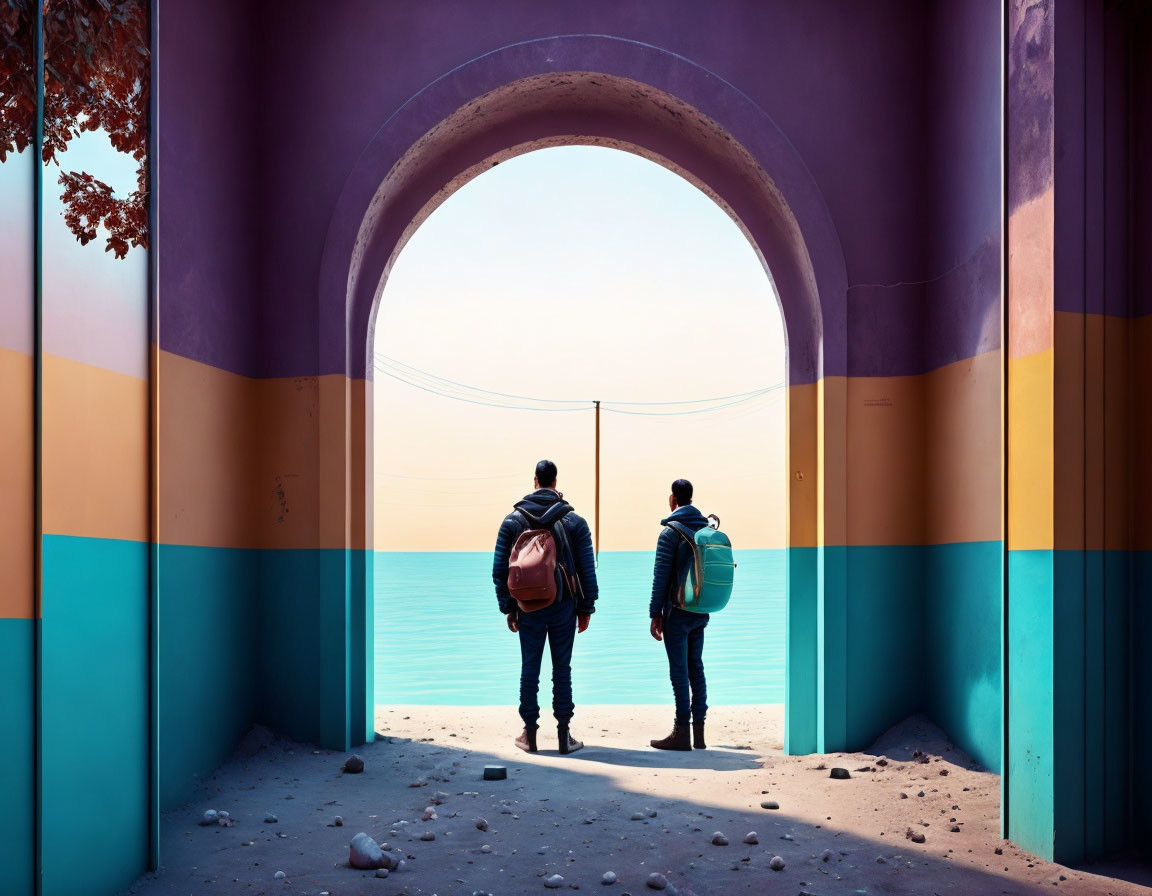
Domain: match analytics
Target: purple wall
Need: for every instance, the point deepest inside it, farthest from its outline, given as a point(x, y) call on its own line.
point(207, 174)
point(315, 96)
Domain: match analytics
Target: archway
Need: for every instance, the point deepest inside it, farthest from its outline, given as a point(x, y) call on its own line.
point(658, 105)
point(563, 274)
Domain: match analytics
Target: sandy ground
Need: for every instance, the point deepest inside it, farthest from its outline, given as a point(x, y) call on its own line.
point(573, 815)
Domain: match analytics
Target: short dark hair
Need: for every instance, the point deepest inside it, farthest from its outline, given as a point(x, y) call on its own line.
point(546, 473)
point(682, 491)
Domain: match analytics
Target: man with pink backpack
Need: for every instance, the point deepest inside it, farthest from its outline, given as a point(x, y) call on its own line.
point(544, 570)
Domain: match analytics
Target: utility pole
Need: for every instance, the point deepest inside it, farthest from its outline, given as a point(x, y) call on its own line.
point(597, 481)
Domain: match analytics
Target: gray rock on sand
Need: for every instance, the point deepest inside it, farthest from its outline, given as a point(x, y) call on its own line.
point(271, 819)
point(429, 814)
point(840, 774)
point(827, 856)
point(279, 875)
point(608, 878)
point(719, 839)
point(481, 824)
point(382, 872)
point(209, 817)
point(769, 804)
point(657, 881)
point(751, 838)
point(554, 882)
point(651, 813)
point(638, 816)
point(353, 765)
point(338, 821)
point(917, 837)
point(777, 863)
point(485, 849)
point(427, 835)
point(365, 853)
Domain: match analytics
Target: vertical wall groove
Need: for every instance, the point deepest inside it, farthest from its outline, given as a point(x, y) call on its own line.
point(37, 451)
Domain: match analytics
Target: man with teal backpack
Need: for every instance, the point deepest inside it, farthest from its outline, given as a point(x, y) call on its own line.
point(692, 578)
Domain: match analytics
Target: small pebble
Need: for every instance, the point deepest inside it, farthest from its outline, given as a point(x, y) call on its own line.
point(777, 863)
point(638, 816)
point(751, 839)
point(840, 774)
point(353, 765)
point(657, 881)
point(485, 849)
point(209, 817)
point(719, 839)
point(608, 878)
point(382, 872)
point(481, 824)
point(917, 837)
point(338, 821)
point(427, 835)
point(271, 819)
point(555, 882)
point(770, 804)
point(955, 829)
point(827, 856)
point(279, 875)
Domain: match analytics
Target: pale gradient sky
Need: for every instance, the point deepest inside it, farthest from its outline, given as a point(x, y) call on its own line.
point(578, 273)
point(95, 305)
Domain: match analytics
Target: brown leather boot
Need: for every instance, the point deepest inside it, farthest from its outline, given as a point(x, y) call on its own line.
point(698, 736)
point(527, 740)
point(677, 740)
point(568, 744)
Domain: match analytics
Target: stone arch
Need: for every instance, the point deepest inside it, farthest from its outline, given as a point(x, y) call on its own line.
point(588, 89)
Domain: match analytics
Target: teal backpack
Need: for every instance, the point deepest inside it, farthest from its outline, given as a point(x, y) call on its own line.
point(709, 585)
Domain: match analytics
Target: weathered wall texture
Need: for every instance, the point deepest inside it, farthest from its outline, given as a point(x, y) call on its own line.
point(1077, 153)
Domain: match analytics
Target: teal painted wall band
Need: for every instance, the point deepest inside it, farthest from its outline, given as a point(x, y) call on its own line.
point(209, 632)
point(800, 650)
point(1072, 687)
point(963, 597)
point(95, 693)
point(17, 756)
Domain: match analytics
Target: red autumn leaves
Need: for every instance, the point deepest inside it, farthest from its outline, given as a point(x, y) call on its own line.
point(96, 77)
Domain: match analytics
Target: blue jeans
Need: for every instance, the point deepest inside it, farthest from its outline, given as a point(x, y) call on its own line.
point(684, 642)
point(557, 625)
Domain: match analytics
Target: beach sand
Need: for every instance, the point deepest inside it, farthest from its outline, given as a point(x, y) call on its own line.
point(574, 815)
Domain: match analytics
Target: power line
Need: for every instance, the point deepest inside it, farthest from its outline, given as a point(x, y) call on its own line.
point(446, 388)
point(448, 478)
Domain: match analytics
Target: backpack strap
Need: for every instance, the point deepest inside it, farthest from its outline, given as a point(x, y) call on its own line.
point(687, 535)
point(568, 566)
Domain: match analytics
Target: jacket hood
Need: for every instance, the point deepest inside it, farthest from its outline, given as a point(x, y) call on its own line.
point(543, 507)
point(687, 515)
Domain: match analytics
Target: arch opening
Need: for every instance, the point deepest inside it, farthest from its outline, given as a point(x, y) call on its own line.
point(588, 272)
point(403, 176)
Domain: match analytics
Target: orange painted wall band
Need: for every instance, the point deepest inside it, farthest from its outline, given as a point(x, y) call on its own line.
point(17, 492)
point(95, 452)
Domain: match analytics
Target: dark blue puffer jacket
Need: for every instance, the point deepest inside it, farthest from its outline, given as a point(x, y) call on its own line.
point(673, 558)
point(530, 510)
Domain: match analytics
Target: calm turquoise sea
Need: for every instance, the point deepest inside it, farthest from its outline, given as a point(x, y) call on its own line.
point(440, 638)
